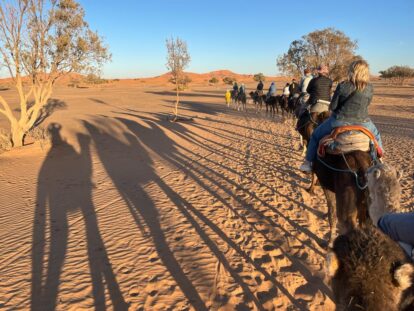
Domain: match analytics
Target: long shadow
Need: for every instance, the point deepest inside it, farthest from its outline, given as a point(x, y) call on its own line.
point(394, 126)
point(131, 162)
point(64, 185)
point(180, 161)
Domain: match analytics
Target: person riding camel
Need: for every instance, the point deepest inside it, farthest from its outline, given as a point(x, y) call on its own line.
point(349, 106)
point(272, 91)
point(242, 90)
point(259, 88)
point(304, 82)
point(304, 96)
point(294, 90)
point(319, 90)
point(286, 90)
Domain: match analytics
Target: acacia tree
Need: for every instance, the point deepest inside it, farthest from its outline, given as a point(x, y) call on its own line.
point(328, 46)
point(177, 60)
point(259, 76)
point(41, 40)
point(398, 74)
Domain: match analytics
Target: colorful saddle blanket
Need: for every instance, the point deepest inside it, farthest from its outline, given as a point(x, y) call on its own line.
point(348, 138)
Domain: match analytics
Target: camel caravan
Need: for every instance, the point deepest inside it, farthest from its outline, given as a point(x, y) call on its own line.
point(370, 245)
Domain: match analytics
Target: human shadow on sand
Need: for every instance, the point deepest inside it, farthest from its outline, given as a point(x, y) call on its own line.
point(64, 187)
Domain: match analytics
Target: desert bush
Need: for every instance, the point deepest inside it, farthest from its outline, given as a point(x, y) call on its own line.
point(259, 76)
point(397, 74)
point(40, 134)
point(213, 80)
point(229, 80)
point(94, 79)
point(328, 46)
point(5, 141)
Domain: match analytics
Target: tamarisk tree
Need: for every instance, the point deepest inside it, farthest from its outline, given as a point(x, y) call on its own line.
point(177, 60)
point(41, 40)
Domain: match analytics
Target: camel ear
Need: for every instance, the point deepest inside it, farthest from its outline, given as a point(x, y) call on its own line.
point(403, 275)
point(332, 264)
point(377, 173)
point(399, 175)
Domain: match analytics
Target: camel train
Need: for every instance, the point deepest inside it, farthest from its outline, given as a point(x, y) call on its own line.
point(366, 268)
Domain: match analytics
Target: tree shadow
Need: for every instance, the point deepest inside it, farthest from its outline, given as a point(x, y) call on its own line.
point(64, 186)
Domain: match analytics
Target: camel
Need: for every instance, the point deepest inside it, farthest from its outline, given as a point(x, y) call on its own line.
point(257, 100)
point(384, 189)
point(344, 188)
point(272, 105)
point(307, 123)
point(369, 271)
point(241, 102)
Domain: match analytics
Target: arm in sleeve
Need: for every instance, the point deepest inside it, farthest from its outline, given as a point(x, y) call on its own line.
point(335, 99)
point(310, 87)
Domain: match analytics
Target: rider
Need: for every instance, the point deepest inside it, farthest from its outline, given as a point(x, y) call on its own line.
point(235, 87)
point(242, 90)
point(286, 90)
point(272, 91)
point(294, 89)
point(319, 90)
point(304, 82)
point(400, 228)
point(349, 106)
point(259, 88)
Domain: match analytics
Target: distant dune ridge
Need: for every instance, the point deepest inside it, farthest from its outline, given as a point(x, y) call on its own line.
point(196, 78)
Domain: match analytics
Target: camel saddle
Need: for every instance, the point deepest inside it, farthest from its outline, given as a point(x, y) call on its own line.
point(345, 139)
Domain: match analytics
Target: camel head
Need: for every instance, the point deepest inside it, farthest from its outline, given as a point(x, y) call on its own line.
point(384, 190)
point(369, 271)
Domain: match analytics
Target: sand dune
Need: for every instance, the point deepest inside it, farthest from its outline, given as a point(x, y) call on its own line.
point(130, 211)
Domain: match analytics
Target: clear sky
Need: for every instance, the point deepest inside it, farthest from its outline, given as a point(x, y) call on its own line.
point(245, 36)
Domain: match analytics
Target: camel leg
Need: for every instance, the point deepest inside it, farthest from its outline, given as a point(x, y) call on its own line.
point(347, 208)
point(331, 202)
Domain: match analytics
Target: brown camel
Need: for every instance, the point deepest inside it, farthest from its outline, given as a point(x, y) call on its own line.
point(369, 271)
point(306, 127)
point(343, 181)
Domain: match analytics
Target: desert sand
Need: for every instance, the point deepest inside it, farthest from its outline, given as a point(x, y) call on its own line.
point(130, 211)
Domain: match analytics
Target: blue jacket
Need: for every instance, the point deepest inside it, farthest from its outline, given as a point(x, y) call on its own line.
point(356, 108)
point(272, 90)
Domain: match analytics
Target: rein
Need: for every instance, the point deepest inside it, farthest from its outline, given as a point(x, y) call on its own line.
point(349, 170)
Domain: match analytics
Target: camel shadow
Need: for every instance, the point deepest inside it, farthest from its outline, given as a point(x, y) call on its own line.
point(65, 186)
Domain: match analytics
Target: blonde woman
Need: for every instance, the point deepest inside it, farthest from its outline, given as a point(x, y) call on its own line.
point(349, 106)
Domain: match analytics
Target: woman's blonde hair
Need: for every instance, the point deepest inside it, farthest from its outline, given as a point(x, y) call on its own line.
point(358, 74)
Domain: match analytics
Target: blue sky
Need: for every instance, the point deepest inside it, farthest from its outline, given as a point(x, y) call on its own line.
point(245, 36)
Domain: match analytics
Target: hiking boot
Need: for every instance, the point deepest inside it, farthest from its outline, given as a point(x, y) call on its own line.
point(306, 166)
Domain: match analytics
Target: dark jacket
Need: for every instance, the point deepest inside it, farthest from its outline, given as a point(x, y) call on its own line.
point(294, 88)
point(319, 88)
point(260, 86)
point(356, 108)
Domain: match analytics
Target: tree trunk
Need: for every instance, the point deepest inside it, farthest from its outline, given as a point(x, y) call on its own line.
point(17, 136)
point(177, 99)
